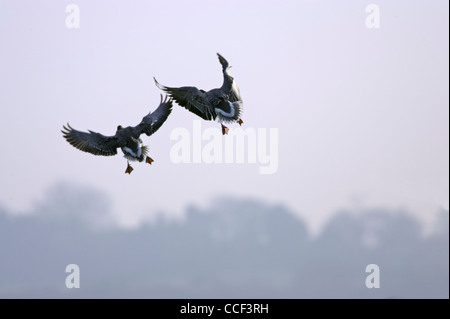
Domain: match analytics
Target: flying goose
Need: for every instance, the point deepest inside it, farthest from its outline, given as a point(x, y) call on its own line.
point(224, 103)
point(127, 138)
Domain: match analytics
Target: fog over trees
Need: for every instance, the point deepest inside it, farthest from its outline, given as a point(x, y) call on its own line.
point(235, 248)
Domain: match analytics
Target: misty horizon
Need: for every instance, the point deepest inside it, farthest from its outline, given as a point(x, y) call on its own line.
point(235, 248)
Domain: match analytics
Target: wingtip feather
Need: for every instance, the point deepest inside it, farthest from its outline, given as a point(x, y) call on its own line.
point(159, 85)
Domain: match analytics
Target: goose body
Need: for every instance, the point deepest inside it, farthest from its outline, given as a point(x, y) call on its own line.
point(224, 104)
point(126, 138)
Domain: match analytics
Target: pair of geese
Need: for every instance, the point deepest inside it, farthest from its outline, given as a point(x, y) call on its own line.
point(223, 103)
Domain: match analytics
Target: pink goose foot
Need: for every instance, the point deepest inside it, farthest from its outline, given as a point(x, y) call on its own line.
point(224, 129)
point(129, 168)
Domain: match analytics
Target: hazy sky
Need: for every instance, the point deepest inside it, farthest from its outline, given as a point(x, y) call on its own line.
point(362, 114)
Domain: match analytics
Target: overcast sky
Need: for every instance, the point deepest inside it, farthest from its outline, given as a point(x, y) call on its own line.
point(362, 114)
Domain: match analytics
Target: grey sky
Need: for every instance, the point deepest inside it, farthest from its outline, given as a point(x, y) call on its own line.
point(362, 114)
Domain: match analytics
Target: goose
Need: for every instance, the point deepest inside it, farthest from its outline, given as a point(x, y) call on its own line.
point(224, 103)
point(127, 138)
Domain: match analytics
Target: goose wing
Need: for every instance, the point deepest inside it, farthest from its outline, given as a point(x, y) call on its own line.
point(191, 98)
point(91, 142)
point(224, 62)
point(229, 86)
point(153, 120)
point(235, 94)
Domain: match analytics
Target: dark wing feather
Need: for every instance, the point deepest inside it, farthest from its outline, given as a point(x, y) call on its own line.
point(224, 62)
point(190, 98)
point(153, 121)
point(92, 142)
point(229, 85)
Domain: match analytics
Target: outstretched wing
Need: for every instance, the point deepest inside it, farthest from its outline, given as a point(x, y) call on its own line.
point(229, 85)
point(224, 62)
point(153, 121)
point(191, 98)
point(235, 94)
point(92, 142)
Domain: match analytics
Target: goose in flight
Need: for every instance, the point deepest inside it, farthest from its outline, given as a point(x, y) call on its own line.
point(224, 103)
point(127, 138)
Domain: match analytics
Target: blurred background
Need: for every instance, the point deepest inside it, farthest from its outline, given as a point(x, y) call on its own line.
point(357, 91)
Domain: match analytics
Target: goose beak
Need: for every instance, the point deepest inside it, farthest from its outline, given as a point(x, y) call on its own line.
point(224, 129)
point(240, 122)
point(149, 160)
point(129, 169)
